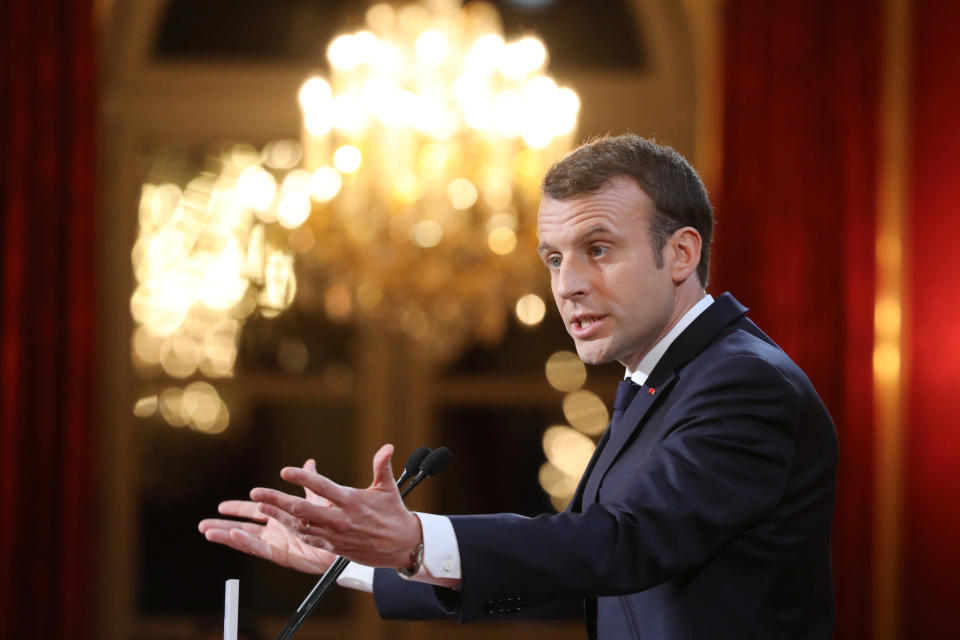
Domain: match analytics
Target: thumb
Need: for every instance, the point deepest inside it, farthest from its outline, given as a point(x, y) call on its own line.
point(382, 471)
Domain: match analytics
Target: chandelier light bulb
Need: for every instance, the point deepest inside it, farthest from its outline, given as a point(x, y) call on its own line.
point(347, 159)
point(344, 53)
point(428, 233)
point(325, 184)
point(365, 47)
point(256, 188)
point(486, 53)
point(314, 93)
point(432, 47)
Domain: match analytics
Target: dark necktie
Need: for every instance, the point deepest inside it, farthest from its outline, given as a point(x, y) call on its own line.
point(626, 390)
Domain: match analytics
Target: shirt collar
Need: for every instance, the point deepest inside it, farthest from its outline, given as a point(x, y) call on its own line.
point(649, 361)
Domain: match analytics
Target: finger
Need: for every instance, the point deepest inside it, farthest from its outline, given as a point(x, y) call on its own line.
point(310, 466)
point(294, 505)
point(323, 487)
point(216, 523)
point(292, 512)
point(382, 471)
point(318, 542)
point(241, 509)
point(240, 540)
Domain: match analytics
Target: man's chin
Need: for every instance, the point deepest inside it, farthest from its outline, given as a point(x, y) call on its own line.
point(590, 355)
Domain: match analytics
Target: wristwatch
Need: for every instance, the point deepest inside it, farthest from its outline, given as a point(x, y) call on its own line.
point(416, 561)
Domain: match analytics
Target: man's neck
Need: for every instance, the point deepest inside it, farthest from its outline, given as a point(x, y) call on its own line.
point(687, 298)
point(678, 323)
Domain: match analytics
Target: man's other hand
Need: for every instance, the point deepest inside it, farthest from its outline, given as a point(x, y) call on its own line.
point(369, 526)
point(265, 537)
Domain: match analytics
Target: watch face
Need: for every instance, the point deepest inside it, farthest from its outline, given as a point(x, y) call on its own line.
point(416, 560)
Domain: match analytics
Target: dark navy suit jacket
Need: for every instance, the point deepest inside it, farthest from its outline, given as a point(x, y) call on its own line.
point(708, 514)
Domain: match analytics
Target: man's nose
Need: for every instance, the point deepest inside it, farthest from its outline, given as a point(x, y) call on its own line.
point(572, 280)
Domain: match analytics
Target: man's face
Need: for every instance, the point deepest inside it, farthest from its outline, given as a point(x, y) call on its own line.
point(615, 302)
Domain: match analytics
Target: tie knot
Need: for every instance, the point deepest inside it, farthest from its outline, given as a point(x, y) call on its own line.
point(625, 392)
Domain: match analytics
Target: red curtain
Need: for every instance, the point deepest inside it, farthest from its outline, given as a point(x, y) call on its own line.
point(46, 424)
point(931, 552)
point(796, 225)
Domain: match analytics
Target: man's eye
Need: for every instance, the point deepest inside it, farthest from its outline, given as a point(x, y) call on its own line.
point(597, 251)
point(553, 261)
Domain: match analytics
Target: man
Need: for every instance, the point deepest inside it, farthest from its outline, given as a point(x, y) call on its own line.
point(705, 511)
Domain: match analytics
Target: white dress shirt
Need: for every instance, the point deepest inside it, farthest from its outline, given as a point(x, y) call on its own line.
point(441, 555)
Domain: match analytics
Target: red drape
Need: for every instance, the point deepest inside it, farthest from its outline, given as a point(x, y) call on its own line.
point(46, 426)
point(931, 516)
point(796, 225)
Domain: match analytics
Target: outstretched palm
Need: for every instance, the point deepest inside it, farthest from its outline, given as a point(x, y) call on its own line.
point(265, 537)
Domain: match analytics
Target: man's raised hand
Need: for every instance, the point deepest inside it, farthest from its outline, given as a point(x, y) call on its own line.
point(370, 526)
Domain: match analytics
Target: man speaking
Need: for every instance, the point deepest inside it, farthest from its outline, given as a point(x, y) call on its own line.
point(705, 511)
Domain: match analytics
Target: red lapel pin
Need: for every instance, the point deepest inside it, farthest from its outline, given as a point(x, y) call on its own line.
point(652, 390)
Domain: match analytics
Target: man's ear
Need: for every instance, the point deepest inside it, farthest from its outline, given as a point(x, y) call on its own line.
point(685, 244)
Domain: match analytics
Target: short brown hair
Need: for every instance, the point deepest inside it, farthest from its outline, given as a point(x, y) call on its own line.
point(678, 195)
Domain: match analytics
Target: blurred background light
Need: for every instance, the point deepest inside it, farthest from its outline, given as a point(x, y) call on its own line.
point(585, 411)
point(565, 371)
point(204, 263)
point(531, 309)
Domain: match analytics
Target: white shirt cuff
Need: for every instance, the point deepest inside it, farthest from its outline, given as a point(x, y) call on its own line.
point(441, 554)
point(357, 576)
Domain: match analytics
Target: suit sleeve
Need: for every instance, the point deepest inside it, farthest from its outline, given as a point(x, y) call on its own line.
point(722, 466)
point(401, 599)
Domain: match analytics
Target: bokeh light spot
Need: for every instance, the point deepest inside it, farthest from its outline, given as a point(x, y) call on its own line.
point(565, 371)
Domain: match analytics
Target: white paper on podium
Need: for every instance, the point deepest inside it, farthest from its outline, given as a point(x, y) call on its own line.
point(231, 609)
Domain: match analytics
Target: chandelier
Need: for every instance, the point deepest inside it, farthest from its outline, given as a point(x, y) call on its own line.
point(409, 202)
point(207, 256)
point(423, 151)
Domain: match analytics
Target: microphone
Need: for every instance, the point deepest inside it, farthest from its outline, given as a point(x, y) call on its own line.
point(421, 464)
point(433, 464)
point(413, 464)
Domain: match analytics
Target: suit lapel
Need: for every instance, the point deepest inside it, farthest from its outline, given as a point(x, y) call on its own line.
point(576, 504)
point(701, 332)
point(617, 437)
